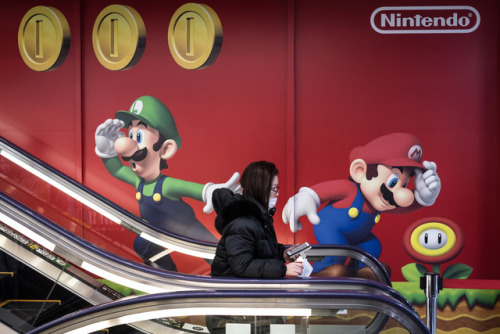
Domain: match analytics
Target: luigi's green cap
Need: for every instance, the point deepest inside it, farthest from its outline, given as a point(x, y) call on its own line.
point(155, 114)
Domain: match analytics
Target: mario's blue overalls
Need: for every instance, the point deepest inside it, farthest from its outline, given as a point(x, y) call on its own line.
point(346, 226)
point(171, 216)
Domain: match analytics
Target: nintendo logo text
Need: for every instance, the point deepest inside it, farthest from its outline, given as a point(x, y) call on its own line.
point(425, 20)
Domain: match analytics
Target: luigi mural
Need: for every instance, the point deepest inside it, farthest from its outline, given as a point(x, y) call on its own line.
point(152, 140)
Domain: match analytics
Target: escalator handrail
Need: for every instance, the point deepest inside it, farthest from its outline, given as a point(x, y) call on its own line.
point(69, 243)
point(137, 226)
point(321, 250)
point(330, 299)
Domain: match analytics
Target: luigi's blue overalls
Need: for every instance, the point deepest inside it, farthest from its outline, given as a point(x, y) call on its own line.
point(169, 215)
point(346, 226)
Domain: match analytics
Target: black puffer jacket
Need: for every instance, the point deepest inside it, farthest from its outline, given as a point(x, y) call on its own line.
point(248, 246)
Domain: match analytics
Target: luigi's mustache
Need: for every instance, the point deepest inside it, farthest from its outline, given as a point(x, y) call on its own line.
point(388, 195)
point(139, 155)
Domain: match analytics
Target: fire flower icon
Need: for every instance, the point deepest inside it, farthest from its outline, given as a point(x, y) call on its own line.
point(434, 241)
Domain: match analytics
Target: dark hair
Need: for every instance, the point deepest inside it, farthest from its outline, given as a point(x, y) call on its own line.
point(257, 181)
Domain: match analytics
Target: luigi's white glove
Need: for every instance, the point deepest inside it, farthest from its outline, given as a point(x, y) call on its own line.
point(209, 188)
point(427, 184)
point(305, 202)
point(105, 136)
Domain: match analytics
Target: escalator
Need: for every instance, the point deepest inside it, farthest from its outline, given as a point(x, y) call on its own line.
point(25, 233)
point(85, 213)
point(70, 264)
point(90, 272)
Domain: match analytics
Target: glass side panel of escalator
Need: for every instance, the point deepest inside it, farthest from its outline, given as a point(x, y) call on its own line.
point(64, 210)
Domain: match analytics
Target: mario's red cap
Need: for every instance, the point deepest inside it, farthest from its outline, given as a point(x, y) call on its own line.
point(395, 150)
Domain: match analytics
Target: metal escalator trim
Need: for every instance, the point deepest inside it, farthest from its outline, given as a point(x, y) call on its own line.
point(85, 290)
point(145, 307)
point(77, 250)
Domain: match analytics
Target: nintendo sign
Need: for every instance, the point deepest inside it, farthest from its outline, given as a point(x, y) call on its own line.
point(425, 20)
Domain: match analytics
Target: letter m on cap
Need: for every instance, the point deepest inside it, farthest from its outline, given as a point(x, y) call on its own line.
point(415, 153)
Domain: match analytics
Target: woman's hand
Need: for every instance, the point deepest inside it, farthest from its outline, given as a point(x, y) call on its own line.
point(294, 269)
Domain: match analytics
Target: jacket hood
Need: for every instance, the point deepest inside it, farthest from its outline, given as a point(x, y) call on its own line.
point(230, 206)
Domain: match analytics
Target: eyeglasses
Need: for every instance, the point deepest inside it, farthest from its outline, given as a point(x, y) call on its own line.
point(275, 189)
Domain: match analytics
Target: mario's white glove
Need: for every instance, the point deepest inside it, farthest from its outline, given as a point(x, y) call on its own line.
point(305, 202)
point(427, 184)
point(209, 188)
point(105, 136)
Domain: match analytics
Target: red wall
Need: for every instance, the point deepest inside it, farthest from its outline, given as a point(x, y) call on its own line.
point(297, 83)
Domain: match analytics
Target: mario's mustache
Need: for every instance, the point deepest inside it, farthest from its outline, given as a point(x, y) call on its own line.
point(139, 155)
point(388, 195)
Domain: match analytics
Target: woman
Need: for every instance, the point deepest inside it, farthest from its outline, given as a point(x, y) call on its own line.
point(248, 246)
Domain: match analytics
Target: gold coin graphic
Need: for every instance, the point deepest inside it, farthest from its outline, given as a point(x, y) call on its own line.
point(44, 38)
point(195, 36)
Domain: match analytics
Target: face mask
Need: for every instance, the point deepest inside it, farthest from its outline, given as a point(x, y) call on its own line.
point(272, 202)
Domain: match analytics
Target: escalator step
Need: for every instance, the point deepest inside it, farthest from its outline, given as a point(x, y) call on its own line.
point(28, 309)
point(13, 321)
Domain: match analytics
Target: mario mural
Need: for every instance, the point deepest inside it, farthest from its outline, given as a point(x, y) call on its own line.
point(153, 139)
point(380, 173)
